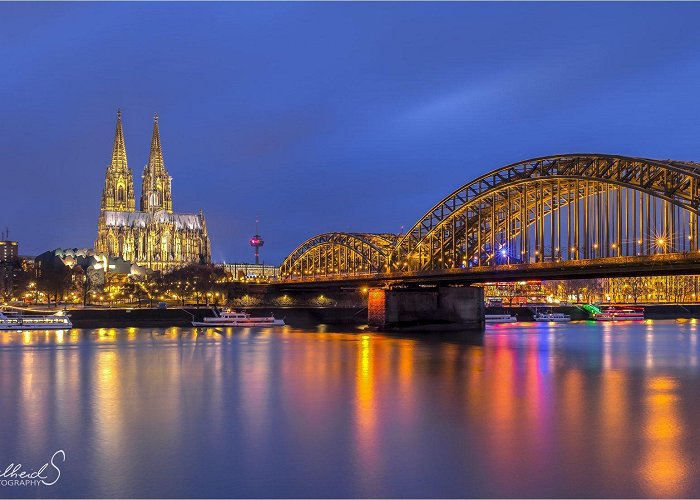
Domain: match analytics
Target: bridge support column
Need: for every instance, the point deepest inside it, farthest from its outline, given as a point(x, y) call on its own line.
point(441, 308)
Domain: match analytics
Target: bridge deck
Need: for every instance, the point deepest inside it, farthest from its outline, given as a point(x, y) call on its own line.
point(661, 264)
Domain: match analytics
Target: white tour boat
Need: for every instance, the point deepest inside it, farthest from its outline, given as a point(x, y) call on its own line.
point(500, 318)
point(233, 318)
point(15, 321)
point(551, 317)
point(620, 314)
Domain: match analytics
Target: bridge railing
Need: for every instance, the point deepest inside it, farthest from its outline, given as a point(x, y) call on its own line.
point(644, 260)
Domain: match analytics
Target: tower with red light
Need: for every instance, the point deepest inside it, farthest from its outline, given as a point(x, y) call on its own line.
point(256, 242)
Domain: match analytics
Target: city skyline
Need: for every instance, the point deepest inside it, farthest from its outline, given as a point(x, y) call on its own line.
point(303, 116)
point(357, 249)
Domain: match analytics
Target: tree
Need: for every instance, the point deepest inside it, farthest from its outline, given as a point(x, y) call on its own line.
point(136, 286)
point(551, 289)
point(682, 287)
point(89, 279)
point(592, 289)
point(13, 279)
point(634, 286)
point(205, 279)
point(55, 280)
point(155, 285)
point(571, 288)
point(180, 281)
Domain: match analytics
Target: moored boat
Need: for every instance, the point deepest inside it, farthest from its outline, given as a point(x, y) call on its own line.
point(500, 318)
point(15, 321)
point(233, 318)
point(614, 313)
point(551, 317)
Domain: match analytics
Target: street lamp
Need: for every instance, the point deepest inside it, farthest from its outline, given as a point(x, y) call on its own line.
point(661, 243)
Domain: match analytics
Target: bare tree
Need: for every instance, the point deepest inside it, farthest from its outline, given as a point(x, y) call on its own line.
point(13, 279)
point(55, 280)
point(634, 286)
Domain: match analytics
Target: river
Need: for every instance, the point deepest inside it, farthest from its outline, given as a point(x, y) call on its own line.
point(529, 410)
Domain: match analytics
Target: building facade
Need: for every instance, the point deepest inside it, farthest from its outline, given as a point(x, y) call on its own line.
point(9, 251)
point(153, 237)
point(252, 271)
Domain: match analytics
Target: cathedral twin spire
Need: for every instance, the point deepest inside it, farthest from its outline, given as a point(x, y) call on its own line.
point(118, 193)
point(152, 237)
point(119, 149)
point(156, 186)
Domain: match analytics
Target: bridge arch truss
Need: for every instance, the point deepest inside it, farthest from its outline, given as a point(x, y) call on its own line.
point(339, 254)
point(556, 208)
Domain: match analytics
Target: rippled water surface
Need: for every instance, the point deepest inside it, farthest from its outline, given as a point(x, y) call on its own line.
point(582, 409)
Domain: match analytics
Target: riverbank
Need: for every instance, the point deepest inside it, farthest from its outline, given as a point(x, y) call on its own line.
point(311, 316)
point(651, 311)
point(183, 317)
point(127, 318)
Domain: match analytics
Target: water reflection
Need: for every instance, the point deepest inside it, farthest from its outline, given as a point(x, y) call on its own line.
point(664, 465)
point(557, 410)
point(366, 410)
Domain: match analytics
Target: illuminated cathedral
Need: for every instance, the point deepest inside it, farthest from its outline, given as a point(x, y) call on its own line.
point(154, 236)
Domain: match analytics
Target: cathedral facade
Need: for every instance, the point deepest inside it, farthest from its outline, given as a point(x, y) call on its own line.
point(154, 236)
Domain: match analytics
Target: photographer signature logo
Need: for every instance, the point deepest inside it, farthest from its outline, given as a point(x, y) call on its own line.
point(48, 474)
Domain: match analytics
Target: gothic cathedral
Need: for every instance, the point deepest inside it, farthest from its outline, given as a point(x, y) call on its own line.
point(153, 237)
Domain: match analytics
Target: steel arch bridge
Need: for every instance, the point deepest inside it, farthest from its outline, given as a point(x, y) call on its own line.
point(553, 209)
point(339, 254)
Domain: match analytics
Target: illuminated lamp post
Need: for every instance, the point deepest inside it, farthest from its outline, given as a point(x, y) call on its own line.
point(256, 242)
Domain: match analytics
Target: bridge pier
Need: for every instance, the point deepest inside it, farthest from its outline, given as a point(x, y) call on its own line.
point(439, 308)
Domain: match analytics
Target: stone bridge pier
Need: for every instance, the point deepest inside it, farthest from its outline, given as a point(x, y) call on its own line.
point(438, 308)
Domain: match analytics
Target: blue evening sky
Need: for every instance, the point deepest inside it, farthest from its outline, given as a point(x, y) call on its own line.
point(325, 116)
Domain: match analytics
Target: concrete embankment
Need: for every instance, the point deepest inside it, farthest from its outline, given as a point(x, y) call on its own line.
point(126, 318)
point(183, 317)
point(651, 311)
point(311, 316)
